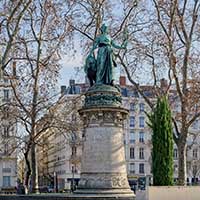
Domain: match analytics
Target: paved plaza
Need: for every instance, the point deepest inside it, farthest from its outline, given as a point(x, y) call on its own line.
point(141, 195)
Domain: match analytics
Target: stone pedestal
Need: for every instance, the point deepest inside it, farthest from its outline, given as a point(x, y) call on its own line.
point(103, 166)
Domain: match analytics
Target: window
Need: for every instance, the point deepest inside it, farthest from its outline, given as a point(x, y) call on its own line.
point(5, 79)
point(141, 137)
point(141, 153)
point(141, 168)
point(141, 107)
point(73, 117)
point(132, 106)
point(141, 122)
point(6, 181)
point(175, 153)
point(73, 137)
point(175, 168)
point(6, 148)
point(132, 137)
point(194, 170)
point(6, 131)
point(132, 121)
point(195, 124)
point(60, 172)
point(74, 169)
point(148, 93)
point(77, 89)
point(195, 153)
point(124, 92)
point(74, 151)
point(132, 168)
point(6, 94)
point(5, 112)
point(132, 153)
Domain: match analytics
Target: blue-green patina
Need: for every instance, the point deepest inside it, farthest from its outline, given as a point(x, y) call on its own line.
point(105, 61)
point(101, 95)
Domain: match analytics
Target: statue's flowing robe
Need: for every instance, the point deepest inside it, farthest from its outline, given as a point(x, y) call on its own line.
point(105, 64)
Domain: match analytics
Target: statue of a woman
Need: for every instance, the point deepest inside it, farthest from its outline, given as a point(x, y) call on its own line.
point(105, 58)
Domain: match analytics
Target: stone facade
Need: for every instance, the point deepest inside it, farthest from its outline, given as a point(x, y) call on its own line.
point(59, 152)
point(8, 148)
point(137, 139)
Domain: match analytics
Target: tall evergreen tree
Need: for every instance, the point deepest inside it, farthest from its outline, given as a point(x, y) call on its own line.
point(162, 140)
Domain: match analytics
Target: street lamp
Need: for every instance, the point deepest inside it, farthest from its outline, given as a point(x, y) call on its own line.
point(72, 185)
point(55, 181)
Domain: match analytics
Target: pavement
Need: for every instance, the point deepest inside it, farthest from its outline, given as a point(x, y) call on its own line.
point(141, 195)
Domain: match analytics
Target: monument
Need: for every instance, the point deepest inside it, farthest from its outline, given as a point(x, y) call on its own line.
point(103, 165)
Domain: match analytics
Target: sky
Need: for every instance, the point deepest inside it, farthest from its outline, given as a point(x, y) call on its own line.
point(69, 69)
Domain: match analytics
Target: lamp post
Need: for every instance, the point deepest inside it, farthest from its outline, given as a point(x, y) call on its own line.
point(55, 180)
point(72, 186)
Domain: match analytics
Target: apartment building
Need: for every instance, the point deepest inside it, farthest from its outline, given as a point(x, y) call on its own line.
point(137, 139)
point(59, 149)
point(137, 136)
point(8, 130)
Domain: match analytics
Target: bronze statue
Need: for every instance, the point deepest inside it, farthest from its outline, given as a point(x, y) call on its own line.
point(90, 69)
point(105, 62)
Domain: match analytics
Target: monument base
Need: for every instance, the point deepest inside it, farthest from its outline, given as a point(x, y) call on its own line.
point(103, 164)
point(102, 196)
point(63, 197)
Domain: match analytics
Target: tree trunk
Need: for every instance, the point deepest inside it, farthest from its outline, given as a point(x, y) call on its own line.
point(182, 174)
point(28, 172)
point(34, 176)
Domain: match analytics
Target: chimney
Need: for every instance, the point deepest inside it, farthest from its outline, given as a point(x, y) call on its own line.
point(63, 89)
point(122, 81)
point(71, 82)
point(14, 69)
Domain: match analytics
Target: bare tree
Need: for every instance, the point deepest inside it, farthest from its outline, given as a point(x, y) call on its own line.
point(12, 13)
point(64, 129)
point(36, 57)
point(163, 43)
point(87, 17)
point(171, 45)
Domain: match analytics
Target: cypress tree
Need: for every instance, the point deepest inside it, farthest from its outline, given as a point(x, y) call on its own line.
point(160, 122)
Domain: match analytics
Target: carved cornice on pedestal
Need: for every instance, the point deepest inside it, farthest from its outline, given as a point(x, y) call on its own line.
point(104, 116)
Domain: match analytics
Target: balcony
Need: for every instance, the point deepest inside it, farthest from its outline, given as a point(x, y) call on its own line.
point(6, 170)
point(8, 190)
point(6, 100)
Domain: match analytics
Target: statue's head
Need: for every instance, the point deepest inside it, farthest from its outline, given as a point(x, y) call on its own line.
point(104, 28)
